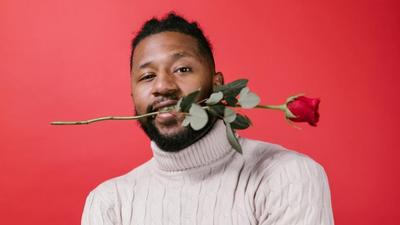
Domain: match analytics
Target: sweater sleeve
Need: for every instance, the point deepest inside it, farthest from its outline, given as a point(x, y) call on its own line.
point(295, 192)
point(98, 211)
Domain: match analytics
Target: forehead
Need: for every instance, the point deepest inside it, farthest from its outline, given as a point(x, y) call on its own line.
point(168, 42)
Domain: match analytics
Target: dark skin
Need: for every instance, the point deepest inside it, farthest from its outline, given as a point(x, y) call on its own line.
point(165, 67)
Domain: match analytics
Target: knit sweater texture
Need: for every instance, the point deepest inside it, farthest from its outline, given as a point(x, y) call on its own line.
point(209, 183)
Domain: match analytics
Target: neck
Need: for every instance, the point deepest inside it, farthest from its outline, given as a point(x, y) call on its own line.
point(212, 146)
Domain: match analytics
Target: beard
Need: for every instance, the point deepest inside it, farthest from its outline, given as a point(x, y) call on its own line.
point(184, 137)
point(177, 141)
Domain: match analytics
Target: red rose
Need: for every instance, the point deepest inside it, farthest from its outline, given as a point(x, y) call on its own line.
point(305, 109)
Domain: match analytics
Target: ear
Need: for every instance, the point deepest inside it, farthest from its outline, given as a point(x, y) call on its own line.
point(218, 79)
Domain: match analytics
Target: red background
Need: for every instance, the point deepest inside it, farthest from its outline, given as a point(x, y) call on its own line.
point(69, 60)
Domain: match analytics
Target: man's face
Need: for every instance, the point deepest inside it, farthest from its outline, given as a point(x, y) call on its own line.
point(165, 67)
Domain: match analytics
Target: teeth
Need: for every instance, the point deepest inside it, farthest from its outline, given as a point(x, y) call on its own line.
point(167, 108)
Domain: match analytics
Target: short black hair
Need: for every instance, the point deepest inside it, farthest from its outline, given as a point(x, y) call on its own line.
point(173, 22)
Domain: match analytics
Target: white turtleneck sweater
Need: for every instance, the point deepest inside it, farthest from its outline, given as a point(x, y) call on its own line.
point(209, 183)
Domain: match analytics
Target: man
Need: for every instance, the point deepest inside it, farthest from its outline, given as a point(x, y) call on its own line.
point(195, 177)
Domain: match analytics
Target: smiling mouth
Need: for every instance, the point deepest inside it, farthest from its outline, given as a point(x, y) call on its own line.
point(165, 105)
point(166, 109)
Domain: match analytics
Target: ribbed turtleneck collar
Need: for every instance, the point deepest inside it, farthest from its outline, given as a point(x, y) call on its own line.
point(214, 145)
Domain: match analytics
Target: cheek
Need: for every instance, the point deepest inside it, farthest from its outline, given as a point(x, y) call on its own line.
point(194, 83)
point(141, 100)
point(206, 87)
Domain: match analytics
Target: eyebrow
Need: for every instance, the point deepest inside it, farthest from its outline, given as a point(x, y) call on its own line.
point(174, 56)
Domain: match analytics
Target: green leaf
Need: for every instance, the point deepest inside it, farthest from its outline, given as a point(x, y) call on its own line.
point(232, 138)
point(215, 98)
point(237, 84)
point(197, 117)
point(248, 99)
point(188, 100)
point(241, 122)
point(217, 110)
point(289, 114)
point(230, 100)
point(186, 121)
point(232, 89)
point(229, 115)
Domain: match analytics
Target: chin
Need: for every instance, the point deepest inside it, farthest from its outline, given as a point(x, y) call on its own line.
point(171, 136)
point(171, 130)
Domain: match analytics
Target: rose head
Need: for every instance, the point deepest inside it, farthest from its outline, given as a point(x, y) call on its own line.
point(305, 109)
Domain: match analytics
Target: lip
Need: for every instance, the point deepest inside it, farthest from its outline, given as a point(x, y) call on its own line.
point(165, 117)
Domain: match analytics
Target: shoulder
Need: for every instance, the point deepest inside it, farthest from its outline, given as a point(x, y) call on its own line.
point(288, 185)
point(275, 168)
point(285, 176)
point(108, 197)
point(276, 163)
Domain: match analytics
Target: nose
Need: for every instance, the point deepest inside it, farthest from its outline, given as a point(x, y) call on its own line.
point(164, 84)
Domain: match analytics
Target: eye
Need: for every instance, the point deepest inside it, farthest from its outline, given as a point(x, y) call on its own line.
point(147, 77)
point(183, 69)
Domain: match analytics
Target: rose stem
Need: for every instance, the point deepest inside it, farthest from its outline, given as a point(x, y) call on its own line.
point(104, 118)
point(274, 107)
